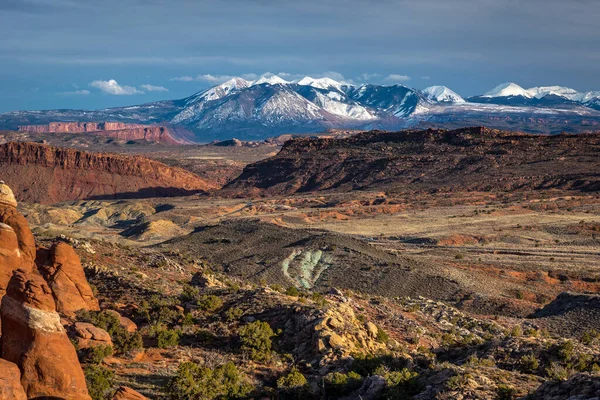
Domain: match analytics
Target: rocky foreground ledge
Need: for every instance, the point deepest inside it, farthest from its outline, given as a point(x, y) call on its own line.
point(40, 291)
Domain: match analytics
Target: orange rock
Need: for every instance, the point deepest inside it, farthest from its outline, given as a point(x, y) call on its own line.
point(10, 256)
point(34, 339)
point(65, 276)
point(125, 393)
point(87, 335)
point(10, 382)
point(11, 217)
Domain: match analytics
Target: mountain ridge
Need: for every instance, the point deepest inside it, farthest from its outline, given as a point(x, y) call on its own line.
point(271, 106)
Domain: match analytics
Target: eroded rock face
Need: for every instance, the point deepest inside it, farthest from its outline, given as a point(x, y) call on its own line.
point(65, 276)
point(10, 256)
point(34, 339)
point(10, 382)
point(44, 174)
point(125, 393)
point(11, 217)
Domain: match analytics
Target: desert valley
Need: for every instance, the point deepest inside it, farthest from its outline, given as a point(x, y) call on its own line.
point(299, 200)
point(414, 264)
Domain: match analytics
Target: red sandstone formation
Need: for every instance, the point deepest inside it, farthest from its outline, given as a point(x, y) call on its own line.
point(10, 382)
point(10, 256)
point(66, 279)
point(116, 130)
point(45, 174)
point(11, 217)
point(34, 339)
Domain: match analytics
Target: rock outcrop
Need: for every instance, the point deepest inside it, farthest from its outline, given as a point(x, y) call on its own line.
point(65, 277)
point(34, 339)
point(10, 382)
point(45, 174)
point(14, 219)
point(125, 393)
point(10, 256)
point(87, 335)
point(116, 130)
point(479, 159)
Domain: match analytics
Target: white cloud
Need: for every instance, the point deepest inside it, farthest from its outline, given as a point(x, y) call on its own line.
point(368, 77)
point(397, 78)
point(182, 79)
point(113, 88)
point(152, 88)
point(426, 78)
point(82, 92)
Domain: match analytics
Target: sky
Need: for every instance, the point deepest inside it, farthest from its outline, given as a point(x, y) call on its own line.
point(90, 54)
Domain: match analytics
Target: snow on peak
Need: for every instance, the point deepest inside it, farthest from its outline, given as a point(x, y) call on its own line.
point(270, 79)
point(221, 90)
point(508, 89)
point(320, 83)
point(442, 94)
point(542, 91)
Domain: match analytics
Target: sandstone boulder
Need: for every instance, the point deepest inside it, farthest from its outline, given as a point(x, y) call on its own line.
point(34, 339)
point(87, 335)
point(65, 276)
point(10, 382)
point(125, 393)
point(11, 217)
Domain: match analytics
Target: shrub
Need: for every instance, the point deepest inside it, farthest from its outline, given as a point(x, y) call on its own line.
point(256, 338)
point(557, 372)
point(95, 354)
point(529, 363)
point(190, 293)
point(195, 382)
point(457, 382)
point(505, 392)
point(167, 338)
point(233, 314)
point(99, 381)
point(293, 380)
point(338, 384)
point(401, 384)
point(292, 291)
point(158, 310)
point(382, 336)
point(565, 350)
point(590, 336)
point(209, 302)
point(123, 340)
point(516, 331)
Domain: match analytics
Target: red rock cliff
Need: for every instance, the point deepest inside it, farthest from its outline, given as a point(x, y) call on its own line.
point(111, 129)
point(46, 174)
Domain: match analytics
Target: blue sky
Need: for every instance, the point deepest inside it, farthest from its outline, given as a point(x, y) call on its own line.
point(95, 54)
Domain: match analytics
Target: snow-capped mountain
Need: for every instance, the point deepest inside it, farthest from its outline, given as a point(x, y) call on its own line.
point(442, 94)
point(271, 105)
point(507, 89)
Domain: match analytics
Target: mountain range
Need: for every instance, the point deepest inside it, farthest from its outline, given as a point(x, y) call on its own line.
point(271, 105)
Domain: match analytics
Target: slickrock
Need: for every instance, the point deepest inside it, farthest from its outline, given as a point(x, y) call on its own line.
point(11, 217)
point(66, 279)
point(44, 174)
point(125, 393)
point(10, 382)
point(34, 339)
